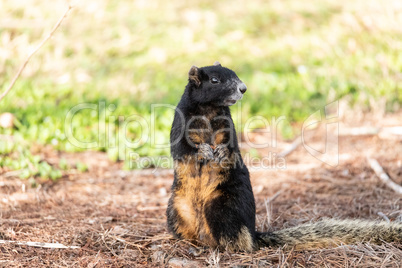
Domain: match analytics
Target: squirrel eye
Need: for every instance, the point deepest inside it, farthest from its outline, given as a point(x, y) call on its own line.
point(214, 80)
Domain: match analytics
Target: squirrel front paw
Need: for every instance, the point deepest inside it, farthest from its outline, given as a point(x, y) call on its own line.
point(205, 152)
point(221, 151)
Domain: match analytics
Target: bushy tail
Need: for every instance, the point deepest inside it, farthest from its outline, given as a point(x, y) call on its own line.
point(329, 233)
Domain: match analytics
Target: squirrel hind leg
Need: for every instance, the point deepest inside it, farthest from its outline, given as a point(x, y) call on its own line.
point(243, 241)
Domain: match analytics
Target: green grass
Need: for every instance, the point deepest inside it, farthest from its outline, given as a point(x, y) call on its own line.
point(294, 57)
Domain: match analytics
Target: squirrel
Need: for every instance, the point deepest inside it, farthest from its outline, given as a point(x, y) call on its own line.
point(212, 199)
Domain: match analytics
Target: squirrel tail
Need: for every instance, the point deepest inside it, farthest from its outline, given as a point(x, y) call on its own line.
point(331, 232)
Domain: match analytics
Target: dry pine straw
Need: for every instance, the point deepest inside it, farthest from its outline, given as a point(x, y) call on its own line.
point(117, 218)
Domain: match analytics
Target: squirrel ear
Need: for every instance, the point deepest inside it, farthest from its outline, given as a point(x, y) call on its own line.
point(193, 75)
point(216, 63)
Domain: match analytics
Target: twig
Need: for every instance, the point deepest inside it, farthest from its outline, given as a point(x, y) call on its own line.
point(371, 131)
point(38, 244)
point(275, 196)
point(13, 173)
point(383, 176)
point(150, 208)
point(391, 133)
point(397, 130)
point(360, 131)
point(34, 51)
point(291, 148)
point(268, 207)
point(382, 215)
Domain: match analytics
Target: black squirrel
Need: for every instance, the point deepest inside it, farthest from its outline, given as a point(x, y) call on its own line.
point(212, 199)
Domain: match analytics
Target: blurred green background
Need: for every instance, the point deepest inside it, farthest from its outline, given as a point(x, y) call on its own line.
point(295, 56)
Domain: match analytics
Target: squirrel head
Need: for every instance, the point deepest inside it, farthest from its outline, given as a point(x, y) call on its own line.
point(215, 85)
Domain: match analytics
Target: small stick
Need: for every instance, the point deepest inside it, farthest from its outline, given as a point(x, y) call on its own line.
point(383, 176)
point(149, 208)
point(382, 215)
point(291, 148)
point(38, 244)
point(34, 51)
point(360, 131)
point(271, 199)
point(268, 207)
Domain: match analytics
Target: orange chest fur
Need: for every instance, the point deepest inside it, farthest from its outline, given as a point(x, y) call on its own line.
point(210, 130)
point(197, 186)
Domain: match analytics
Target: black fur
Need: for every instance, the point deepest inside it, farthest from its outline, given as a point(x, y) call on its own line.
point(207, 97)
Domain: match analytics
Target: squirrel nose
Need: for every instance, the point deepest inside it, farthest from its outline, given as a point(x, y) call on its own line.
point(242, 88)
